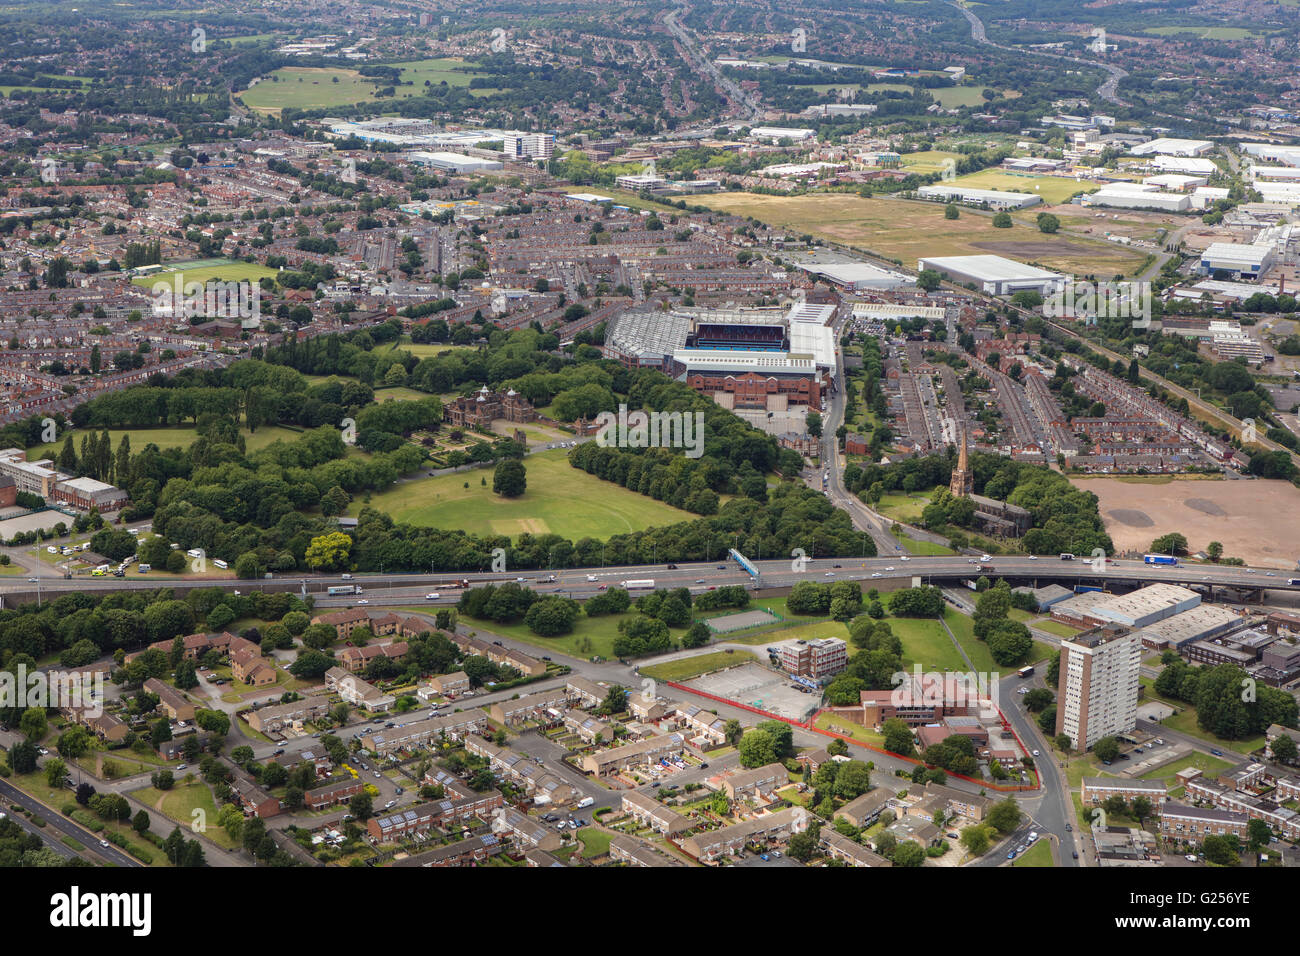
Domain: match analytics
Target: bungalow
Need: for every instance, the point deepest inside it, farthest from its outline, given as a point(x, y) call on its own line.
point(358, 692)
point(634, 852)
point(280, 717)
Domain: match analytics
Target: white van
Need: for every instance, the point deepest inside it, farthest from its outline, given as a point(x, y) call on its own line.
point(145, 569)
point(591, 577)
point(194, 553)
point(585, 802)
point(221, 564)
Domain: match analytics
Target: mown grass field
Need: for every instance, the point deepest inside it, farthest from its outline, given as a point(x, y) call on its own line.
point(905, 230)
point(202, 272)
point(162, 437)
point(687, 667)
point(319, 87)
point(559, 499)
point(1053, 189)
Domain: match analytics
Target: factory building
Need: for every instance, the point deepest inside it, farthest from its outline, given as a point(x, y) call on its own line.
point(994, 274)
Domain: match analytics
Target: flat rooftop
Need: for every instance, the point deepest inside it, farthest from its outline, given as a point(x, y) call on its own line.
point(990, 268)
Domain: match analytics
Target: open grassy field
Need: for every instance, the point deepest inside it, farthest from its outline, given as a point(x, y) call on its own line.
point(927, 161)
point(162, 437)
point(551, 503)
point(905, 230)
point(1053, 189)
point(317, 87)
point(1204, 32)
point(227, 271)
point(687, 667)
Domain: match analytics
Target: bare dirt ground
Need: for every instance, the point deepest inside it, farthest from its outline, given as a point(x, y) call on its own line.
point(1258, 521)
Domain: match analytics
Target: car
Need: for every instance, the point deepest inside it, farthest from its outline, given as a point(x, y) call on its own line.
point(602, 587)
point(1033, 557)
point(722, 567)
point(182, 766)
point(1216, 753)
point(1069, 828)
point(42, 751)
point(390, 804)
point(986, 557)
point(345, 577)
point(1011, 855)
point(700, 581)
point(765, 858)
point(830, 574)
point(904, 558)
point(1075, 854)
point(776, 854)
point(376, 774)
point(104, 844)
point(390, 724)
point(399, 790)
point(1123, 756)
point(1191, 858)
point(889, 569)
point(31, 580)
point(498, 644)
point(656, 784)
point(837, 565)
point(545, 658)
point(704, 766)
point(672, 567)
point(876, 574)
point(1036, 753)
point(278, 752)
point(1269, 574)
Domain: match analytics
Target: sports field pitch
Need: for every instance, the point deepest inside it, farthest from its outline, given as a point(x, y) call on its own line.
point(206, 269)
point(308, 88)
point(162, 437)
point(906, 230)
point(1052, 189)
point(560, 499)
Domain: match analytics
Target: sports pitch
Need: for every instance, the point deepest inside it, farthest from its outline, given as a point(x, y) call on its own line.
point(560, 499)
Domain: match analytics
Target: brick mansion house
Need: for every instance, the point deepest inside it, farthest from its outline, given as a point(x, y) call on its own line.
point(485, 407)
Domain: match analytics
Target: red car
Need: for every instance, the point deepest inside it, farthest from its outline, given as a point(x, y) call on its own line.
point(602, 587)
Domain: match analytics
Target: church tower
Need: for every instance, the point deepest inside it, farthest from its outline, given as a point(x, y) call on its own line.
point(963, 482)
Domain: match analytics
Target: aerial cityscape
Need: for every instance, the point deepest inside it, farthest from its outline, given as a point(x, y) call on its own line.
point(656, 433)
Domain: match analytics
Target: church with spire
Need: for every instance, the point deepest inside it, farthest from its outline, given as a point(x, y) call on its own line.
point(963, 482)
